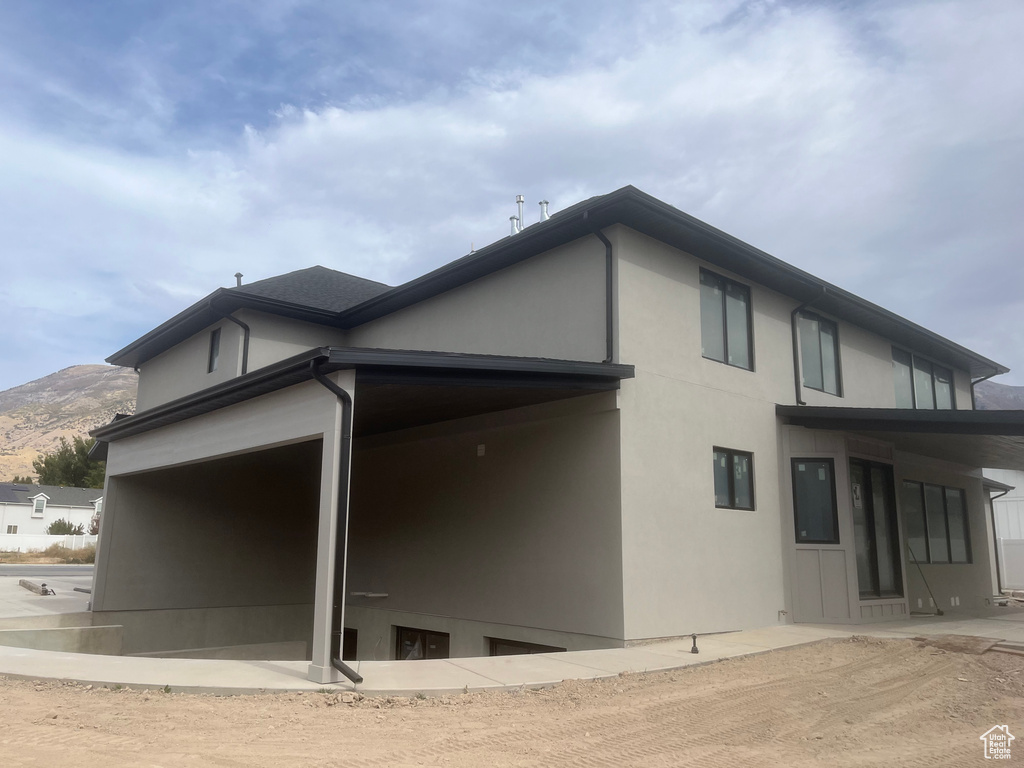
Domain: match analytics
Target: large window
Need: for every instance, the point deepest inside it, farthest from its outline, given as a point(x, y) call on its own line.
point(935, 523)
point(734, 479)
point(725, 321)
point(921, 383)
point(814, 501)
point(819, 353)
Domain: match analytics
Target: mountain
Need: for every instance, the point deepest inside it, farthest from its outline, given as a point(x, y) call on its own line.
point(989, 396)
point(34, 416)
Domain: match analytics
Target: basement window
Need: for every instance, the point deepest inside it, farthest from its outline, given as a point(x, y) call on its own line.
point(499, 647)
point(421, 644)
point(214, 350)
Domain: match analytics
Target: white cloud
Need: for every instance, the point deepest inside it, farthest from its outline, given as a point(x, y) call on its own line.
point(878, 147)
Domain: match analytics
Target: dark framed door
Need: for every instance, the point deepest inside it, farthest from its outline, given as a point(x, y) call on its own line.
point(876, 533)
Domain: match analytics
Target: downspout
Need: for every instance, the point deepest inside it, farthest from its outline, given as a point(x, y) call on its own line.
point(995, 534)
point(609, 320)
point(796, 343)
point(341, 526)
point(975, 382)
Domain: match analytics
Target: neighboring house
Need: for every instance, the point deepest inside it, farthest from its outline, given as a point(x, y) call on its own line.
point(29, 509)
point(618, 424)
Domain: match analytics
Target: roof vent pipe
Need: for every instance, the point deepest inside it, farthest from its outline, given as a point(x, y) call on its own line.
point(515, 224)
point(519, 204)
point(238, 279)
point(544, 216)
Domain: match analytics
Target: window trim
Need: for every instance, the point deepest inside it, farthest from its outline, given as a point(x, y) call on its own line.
point(820, 319)
point(837, 540)
point(913, 380)
point(214, 354)
point(945, 519)
point(732, 453)
point(726, 282)
point(39, 503)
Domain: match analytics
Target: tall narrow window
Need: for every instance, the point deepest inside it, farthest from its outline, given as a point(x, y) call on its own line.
point(725, 321)
point(38, 506)
point(903, 378)
point(214, 350)
point(734, 479)
point(814, 501)
point(819, 353)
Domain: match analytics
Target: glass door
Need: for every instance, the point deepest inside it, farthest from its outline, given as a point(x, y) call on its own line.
point(875, 531)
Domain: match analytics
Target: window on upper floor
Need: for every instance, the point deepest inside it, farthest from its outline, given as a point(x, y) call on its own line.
point(38, 506)
point(725, 333)
point(935, 523)
point(734, 479)
point(819, 353)
point(214, 350)
point(921, 383)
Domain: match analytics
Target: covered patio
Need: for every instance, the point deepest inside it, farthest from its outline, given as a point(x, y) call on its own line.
point(482, 502)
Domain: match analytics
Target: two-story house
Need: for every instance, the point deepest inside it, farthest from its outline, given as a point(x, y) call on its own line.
point(618, 424)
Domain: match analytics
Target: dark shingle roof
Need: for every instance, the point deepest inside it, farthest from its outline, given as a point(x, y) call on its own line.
point(317, 287)
point(58, 495)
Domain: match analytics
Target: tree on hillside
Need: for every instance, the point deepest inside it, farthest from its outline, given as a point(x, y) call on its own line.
point(70, 465)
point(26, 480)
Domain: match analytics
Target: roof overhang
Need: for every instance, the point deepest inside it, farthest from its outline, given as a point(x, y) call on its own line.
point(973, 438)
point(396, 389)
point(648, 215)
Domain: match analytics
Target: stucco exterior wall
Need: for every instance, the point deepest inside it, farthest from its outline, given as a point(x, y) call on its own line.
point(687, 565)
point(273, 338)
point(552, 305)
point(525, 535)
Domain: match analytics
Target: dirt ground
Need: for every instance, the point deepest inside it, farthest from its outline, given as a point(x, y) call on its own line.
point(845, 702)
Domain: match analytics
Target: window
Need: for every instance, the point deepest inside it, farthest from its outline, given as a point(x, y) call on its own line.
point(734, 479)
point(921, 383)
point(420, 644)
point(12, 529)
point(725, 321)
point(38, 506)
point(814, 501)
point(819, 353)
point(875, 532)
point(936, 523)
point(214, 350)
point(501, 647)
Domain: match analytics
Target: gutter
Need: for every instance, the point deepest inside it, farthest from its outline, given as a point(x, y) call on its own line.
point(797, 367)
point(995, 534)
point(974, 383)
point(609, 293)
point(340, 526)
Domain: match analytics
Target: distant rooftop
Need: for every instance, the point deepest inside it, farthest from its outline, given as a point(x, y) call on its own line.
point(58, 495)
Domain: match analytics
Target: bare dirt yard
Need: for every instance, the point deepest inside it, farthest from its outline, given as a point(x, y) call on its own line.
point(844, 702)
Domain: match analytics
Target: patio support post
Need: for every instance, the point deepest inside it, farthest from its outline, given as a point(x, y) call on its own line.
point(332, 530)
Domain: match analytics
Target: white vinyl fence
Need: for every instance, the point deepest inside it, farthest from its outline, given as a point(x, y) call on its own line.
point(36, 542)
point(1011, 563)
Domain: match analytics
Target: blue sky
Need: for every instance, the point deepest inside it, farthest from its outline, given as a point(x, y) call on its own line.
point(148, 151)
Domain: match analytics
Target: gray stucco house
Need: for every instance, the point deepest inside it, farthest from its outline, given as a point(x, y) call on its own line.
point(617, 424)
